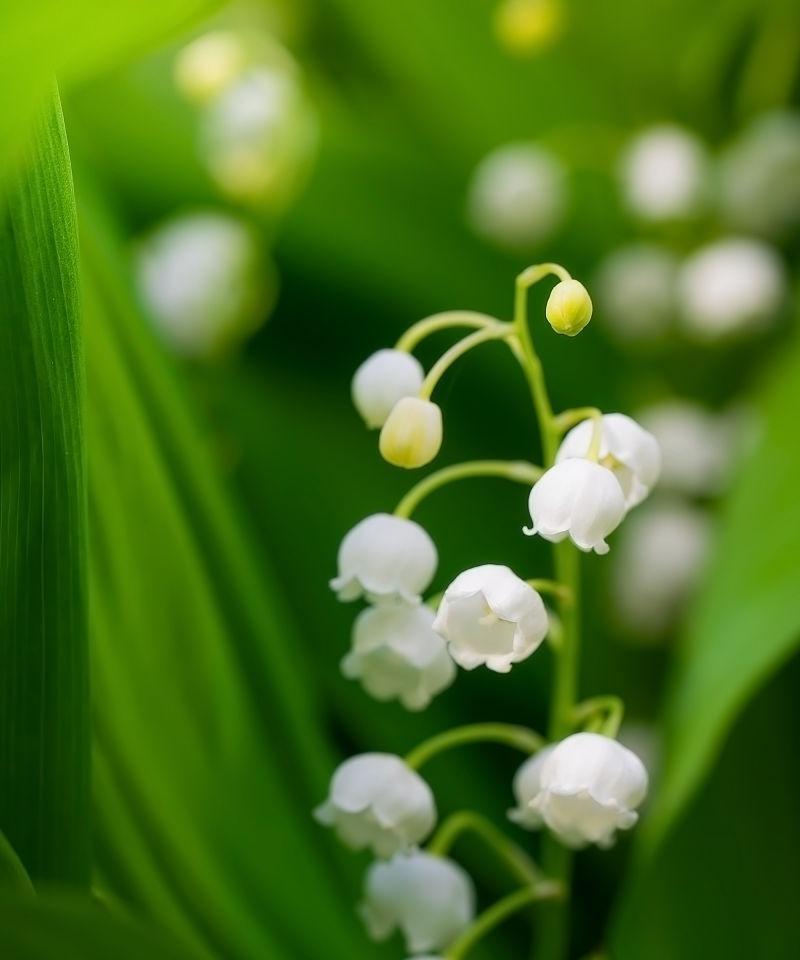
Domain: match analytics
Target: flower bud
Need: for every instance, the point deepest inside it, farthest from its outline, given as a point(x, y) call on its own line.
point(412, 434)
point(209, 64)
point(430, 899)
point(382, 380)
point(377, 801)
point(569, 307)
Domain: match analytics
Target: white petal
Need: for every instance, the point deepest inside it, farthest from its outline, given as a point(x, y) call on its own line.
point(383, 379)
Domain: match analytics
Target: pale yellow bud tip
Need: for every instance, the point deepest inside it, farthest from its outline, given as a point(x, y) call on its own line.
point(412, 434)
point(569, 307)
point(526, 27)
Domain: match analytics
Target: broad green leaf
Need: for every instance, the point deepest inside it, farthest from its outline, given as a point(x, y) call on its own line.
point(78, 929)
point(747, 622)
point(209, 755)
point(72, 40)
point(725, 885)
point(44, 710)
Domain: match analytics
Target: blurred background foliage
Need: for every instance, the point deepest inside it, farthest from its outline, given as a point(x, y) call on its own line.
point(170, 516)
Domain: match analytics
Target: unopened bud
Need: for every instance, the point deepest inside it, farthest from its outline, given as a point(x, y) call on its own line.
point(412, 434)
point(569, 307)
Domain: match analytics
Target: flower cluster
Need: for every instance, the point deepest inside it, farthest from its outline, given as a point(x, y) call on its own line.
point(579, 782)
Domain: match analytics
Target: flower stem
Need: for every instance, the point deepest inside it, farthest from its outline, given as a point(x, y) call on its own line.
point(518, 471)
point(553, 940)
point(442, 321)
point(495, 331)
point(466, 821)
point(600, 715)
point(521, 738)
point(499, 912)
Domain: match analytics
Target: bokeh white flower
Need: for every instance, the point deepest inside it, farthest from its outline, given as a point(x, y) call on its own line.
point(258, 134)
point(664, 173)
point(658, 564)
point(396, 654)
point(382, 379)
point(206, 282)
point(698, 446)
point(431, 900)
point(488, 615)
point(385, 557)
point(626, 448)
point(759, 176)
point(729, 286)
point(578, 499)
point(517, 196)
point(527, 785)
point(636, 291)
point(590, 786)
point(377, 801)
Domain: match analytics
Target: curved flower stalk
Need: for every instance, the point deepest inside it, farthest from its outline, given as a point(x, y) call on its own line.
point(577, 785)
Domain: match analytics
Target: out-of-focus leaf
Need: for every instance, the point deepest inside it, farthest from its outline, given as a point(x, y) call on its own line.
point(44, 713)
point(78, 929)
point(726, 883)
point(13, 875)
point(747, 622)
point(209, 755)
point(73, 41)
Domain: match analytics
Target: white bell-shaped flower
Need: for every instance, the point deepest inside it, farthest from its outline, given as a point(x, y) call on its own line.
point(626, 448)
point(488, 615)
point(384, 558)
point(431, 900)
point(579, 499)
point(376, 800)
point(396, 654)
point(383, 379)
point(590, 787)
point(527, 786)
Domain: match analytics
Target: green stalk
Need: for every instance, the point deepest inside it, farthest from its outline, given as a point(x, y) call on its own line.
point(556, 861)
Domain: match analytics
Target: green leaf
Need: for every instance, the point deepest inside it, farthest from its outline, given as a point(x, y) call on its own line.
point(78, 929)
point(747, 622)
point(13, 876)
point(72, 41)
point(209, 753)
point(44, 719)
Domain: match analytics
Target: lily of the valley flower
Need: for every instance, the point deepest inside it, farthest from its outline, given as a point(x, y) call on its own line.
point(431, 900)
point(377, 801)
point(412, 434)
point(589, 787)
point(384, 558)
point(382, 380)
point(488, 615)
point(579, 499)
point(627, 449)
point(396, 654)
point(526, 786)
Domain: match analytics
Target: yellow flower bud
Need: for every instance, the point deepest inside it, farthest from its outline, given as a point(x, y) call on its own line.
point(208, 65)
point(569, 307)
point(525, 27)
point(412, 434)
